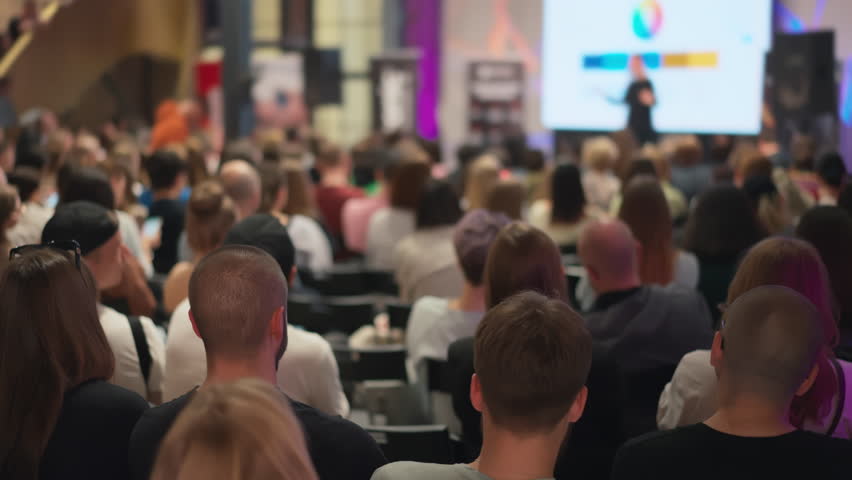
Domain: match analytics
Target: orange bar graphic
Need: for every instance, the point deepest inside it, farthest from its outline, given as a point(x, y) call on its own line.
point(691, 60)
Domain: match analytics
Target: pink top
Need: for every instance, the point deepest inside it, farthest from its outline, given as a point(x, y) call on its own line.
point(356, 218)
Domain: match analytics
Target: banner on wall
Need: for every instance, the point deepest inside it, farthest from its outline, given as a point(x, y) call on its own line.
point(393, 77)
point(279, 89)
point(495, 101)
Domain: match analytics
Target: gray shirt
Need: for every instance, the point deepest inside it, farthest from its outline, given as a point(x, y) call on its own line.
point(428, 471)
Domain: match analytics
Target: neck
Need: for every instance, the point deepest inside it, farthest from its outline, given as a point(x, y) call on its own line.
point(507, 456)
point(334, 178)
point(750, 415)
point(472, 299)
point(226, 370)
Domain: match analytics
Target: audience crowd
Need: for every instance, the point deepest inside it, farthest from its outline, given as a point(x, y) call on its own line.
point(672, 310)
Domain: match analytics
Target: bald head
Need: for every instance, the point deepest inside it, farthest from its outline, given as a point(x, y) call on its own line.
point(609, 253)
point(770, 341)
point(242, 184)
point(233, 295)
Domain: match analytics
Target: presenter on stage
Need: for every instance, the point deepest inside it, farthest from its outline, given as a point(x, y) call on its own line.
point(640, 99)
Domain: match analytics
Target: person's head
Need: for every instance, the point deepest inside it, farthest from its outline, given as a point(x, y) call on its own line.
point(662, 167)
point(266, 232)
point(722, 225)
point(752, 165)
point(210, 214)
point(438, 206)
point(628, 146)
point(610, 253)
point(273, 180)
point(167, 172)
point(797, 265)
point(237, 299)
point(637, 67)
point(27, 180)
point(507, 197)
point(567, 195)
point(599, 153)
point(472, 240)
point(300, 198)
point(10, 211)
point(768, 204)
point(241, 149)
point(645, 211)
point(768, 347)
point(686, 151)
point(831, 170)
point(534, 160)
point(523, 257)
point(235, 431)
point(242, 183)
point(87, 184)
point(96, 230)
point(641, 167)
point(804, 151)
point(53, 341)
point(482, 176)
point(532, 355)
point(829, 230)
point(120, 179)
point(332, 159)
point(408, 184)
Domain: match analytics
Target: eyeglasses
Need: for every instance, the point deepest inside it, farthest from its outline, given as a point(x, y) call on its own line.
point(61, 245)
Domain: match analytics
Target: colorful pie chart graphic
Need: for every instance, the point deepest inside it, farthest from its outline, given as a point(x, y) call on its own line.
point(647, 19)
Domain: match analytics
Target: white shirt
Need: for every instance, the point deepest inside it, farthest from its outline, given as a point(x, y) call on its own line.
point(128, 373)
point(310, 242)
point(306, 373)
point(432, 327)
point(691, 397)
point(387, 227)
point(30, 225)
point(132, 238)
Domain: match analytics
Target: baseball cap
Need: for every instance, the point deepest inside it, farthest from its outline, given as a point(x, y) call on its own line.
point(472, 238)
point(266, 233)
point(90, 224)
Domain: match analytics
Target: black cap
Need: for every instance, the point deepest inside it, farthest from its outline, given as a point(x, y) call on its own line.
point(90, 224)
point(266, 233)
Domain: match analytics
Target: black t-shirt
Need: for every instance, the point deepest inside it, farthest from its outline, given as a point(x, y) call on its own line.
point(92, 433)
point(339, 449)
point(639, 117)
point(699, 452)
point(172, 213)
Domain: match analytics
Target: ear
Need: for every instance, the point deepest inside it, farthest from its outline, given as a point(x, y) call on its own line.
point(194, 325)
point(809, 382)
point(476, 394)
point(716, 352)
point(291, 279)
point(278, 324)
point(576, 410)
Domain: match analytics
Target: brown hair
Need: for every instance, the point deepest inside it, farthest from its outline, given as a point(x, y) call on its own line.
point(209, 215)
point(241, 430)
point(408, 183)
point(532, 356)
point(645, 210)
point(52, 341)
point(273, 177)
point(507, 197)
point(482, 176)
point(795, 264)
point(628, 146)
point(300, 198)
point(754, 164)
point(523, 257)
point(329, 156)
point(8, 204)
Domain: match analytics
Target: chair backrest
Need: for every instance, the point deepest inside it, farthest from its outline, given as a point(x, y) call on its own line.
point(417, 443)
point(348, 314)
point(398, 314)
point(439, 379)
point(380, 281)
point(302, 311)
point(641, 393)
point(382, 363)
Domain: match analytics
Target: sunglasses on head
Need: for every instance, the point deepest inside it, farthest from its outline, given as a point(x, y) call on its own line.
point(61, 245)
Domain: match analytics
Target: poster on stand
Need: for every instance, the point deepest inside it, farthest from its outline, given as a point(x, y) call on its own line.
point(495, 101)
point(393, 77)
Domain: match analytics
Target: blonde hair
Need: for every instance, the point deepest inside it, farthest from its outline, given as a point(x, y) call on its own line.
point(599, 153)
point(239, 431)
point(481, 179)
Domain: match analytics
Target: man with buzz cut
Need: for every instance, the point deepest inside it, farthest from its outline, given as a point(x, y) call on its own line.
point(764, 355)
point(532, 356)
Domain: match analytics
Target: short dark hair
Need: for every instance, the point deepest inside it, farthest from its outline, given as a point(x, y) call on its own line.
point(723, 224)
point(532, 355)
point(26, 179)
point(87, 183)
point(831, 168)
point(163, 169)
point(408, 183)
point(567, 194)
point(233, 293)
point(438, 206)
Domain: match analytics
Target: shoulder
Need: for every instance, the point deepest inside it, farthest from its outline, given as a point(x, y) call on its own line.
point(156, 421)
point(107, 399)
point(414, 471)
point(661, 442)
point(305, 344)
point(429, 306)
point(327, 434)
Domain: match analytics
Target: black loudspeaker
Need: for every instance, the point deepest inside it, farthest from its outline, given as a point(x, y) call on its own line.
point(323, 77)
point(802, 68)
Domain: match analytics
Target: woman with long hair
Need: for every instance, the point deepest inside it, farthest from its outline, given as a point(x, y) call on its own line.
point(482, 177)
point(239, 431)
point(60, 417)
point(209, 215)
point(691, 396)
point(10, 211)
point(564, 215)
